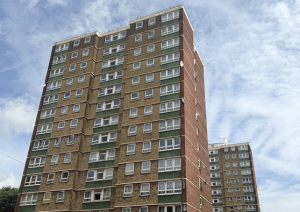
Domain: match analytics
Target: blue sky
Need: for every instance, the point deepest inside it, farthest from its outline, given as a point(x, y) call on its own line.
point(250, 51)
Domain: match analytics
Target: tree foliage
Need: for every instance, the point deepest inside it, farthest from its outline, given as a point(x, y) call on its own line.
point(8, 198)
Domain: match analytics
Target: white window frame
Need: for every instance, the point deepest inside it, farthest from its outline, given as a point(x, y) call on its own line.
point(244, 155)
point(54, 85)
point(76, 108)
point(167, 107)
point(39, 145)
point(145, 148)
point(164, 190)
point(139, 25)
point(170, 16)
point(83, 65)
point(57, 142)
point(73, 123)
point(169, 144)
point(114, 37)
point(169, 89)
point(133, 113)
point(56, 72)
point(33, 180)
point(138, 38)
point(137, 51)
point(135, 80)
point(147, 128)
point(169, 29)
point(104, 195)
point(134, 98)
point(170, 124)
point(129, 169)
point(47, 194)
point(128, 190)
point(79, 93)
point(81, 79)
point(109, 105)
point(74, 55)
point(114, 89)
point(170, 73)
point(169, 165)
point(170, 43)
point(76, 43)
point(132, 130)
point(102, 156)
point(47, 113)
point(101, 122)
point(150, 35)
point(215, 175)
point(109, 137)
point(114, 49)
point(67, 95)
point(150, 77)
point(62, 47)
point(42, 129)
point(150, 49)
point(72, 68)
point(61, 125)
point(136, 66)
point(62, 178)
point(93, 175)
point(130, 151)
point(246, 172)
point(54, 159)
point(170, 58)
point(111, 76)
point(145, 189)
point(64, 110)
point(214, 167)
point(146, 169)
point(214, 159)
point(50, 99)
point(146, 113)
point(87, 40)
point(60, 196)
point(69, 82)
point(151, 21)
point(150, 62)
point(28, 199)
point(150, 93)
point(59, 59)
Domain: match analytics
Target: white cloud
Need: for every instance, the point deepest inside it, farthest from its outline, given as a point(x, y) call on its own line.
point(17, 116)
point(8, 179)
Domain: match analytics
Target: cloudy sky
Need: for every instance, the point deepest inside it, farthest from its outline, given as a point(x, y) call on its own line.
point(250, 51)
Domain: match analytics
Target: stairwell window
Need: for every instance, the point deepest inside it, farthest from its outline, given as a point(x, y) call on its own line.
point(171, 124)
point(169, 89)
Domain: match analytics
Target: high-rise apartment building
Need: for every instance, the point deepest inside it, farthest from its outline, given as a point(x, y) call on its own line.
point(121, 124)
point(232, 175)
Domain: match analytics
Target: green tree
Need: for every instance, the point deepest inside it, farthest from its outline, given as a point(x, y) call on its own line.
point(8, 198)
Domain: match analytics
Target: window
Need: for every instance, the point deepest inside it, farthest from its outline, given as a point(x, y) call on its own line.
point(64, 176)
point(250, 207)
point(67, 95)
point(244, 155)
point(76, 108)
point(233, 148)
point(145, 189)
point(60, 196)
point(139, 25)
point(108, 105)
point(129, 170)
point(150, 62)
point(236, 181)
point(213, 152)
point(53, 85)
point(228, 181)
point(130, 149)
point(110, 90)
point(50, 178)
point(169, 208)
point(229, 190)
point(87, 40)
point(81, 79)
point(169, 58)
point(137, 52)
point(76, 43)
point(61, 125)
point(57, 142)
point(246, 172)
point(114, 49)
point(62, 47)
point(245, 163)
point(238, 199)
point(97, 195)
point(215, 175)
point(169, 73)
point(78, 93)
point(133, 113)
point(73, 123)
point(83, 65)
point(69, 81)
point(135, 96)
point(33, 180)
point(71, 139)
point(102, 156)
point(114, 37)
point(242, 148)
point(97, 175)
point(169, 106)
point(146, 167)
point(132, 130)
point(72, 68)
point(215, 159)
point(128, 190)
point(151, 21)
point(247, 180)
point(42, 129)
point(39, 145)
point(148, 93)
point(216, 192)
point(150, 48)
point(149, 77)
point(106, 121)
point(64, 110)
point(54, 160)
point(233, 156)
point(214, 167)
point(126, 210)
point(135, 80)
point(169, 144)
point(57, 72)
point(215, 183)
point(144, 209)
point(228, 173)
point(136, 66)
point(170, 43)
point(226, 157)
point(235, 172)
point(231, 208)
point(146, 146)
point(239, 207)
point(151, 34)
point(169, 187)
point(169, 165)
point(249, 198)
point(74, 55)
point(50, 99)
point(148, 110)
point(226, 149)
point(169, 29)
point(104, 137)
point(227, 165)
point(29, 199)
point(59, 59)
point(234, 164)
point(237, 190)
point(138, 38)
point(170, 16)
point(169, 89)
point(171, 124)
point(47, 197)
